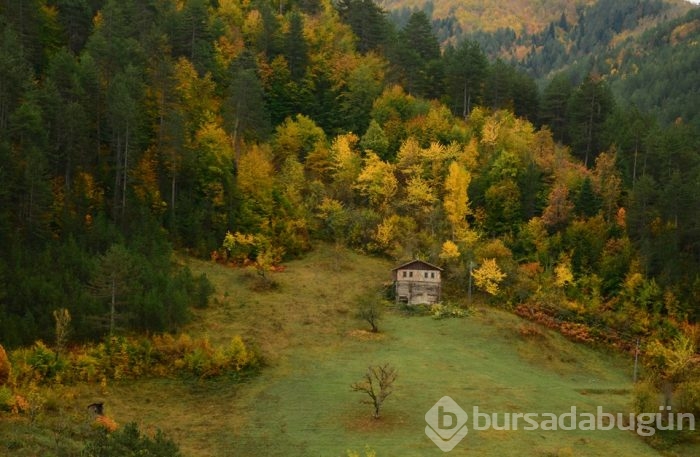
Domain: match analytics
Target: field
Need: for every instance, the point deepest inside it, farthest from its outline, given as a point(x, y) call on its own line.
point(301, 403)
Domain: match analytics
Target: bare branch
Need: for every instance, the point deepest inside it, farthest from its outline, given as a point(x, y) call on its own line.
point(378, 383)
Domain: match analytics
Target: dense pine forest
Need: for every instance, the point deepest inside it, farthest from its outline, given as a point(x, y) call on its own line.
point(134, 130)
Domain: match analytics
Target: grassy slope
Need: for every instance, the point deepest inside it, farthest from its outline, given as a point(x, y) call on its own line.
point(301, 404)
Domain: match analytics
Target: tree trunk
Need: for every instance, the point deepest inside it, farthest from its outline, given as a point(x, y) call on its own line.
point(126, 169)
point(668, 393)
point(113, 306)
point(466, 101)
point(117, 178)
point(172, 198)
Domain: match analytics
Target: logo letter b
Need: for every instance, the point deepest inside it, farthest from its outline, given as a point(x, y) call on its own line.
point(442, 415)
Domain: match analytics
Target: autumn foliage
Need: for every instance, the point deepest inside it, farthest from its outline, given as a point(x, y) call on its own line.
point(254, 131)
point(5, 367)
point(133, 358)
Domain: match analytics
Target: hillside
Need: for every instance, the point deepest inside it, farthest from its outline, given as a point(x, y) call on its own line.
point(668, 53)
point(645, 50)
point(301, 403)
point(173, 166)
point(474, 15)
point(522, 16)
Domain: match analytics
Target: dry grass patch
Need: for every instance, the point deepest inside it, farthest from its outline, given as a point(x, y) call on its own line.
point(365, 335)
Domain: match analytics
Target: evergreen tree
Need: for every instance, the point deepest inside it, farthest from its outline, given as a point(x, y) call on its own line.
point(367, 21)
point(296, 49)
point(586, 202)
point(417, 51)
point(555, 99)
point(588, 108)
point(465, 73)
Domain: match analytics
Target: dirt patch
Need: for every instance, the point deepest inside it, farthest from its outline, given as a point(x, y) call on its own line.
point(365, 335)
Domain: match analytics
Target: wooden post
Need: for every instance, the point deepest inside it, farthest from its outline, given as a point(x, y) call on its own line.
point(636, 361)
point(469, 293)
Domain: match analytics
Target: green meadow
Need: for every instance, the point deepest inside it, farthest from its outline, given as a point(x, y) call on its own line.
point(301, 404)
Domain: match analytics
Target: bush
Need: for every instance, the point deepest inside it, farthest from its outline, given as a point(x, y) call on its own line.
point(130, 441)
point(7, 399)
point(133, 358)
point(689, 397)
point(5, 367)
point(439, 311)
point(38, 363)
point(530, 331)
point(645, 398)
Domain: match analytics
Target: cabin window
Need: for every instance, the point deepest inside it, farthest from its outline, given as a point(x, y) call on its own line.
point(404, 274)
point(410, 274)
point(425, 275)
point(432, 275)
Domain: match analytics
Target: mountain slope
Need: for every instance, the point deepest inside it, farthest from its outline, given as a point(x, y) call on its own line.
point(660, 72)
point(490, 15)
point(646, 49)
point(529, 16)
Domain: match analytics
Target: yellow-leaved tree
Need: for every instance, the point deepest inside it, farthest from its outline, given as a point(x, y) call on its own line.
point(488, 276)
point(562, 272)
point(377, 181)
point(456, 200)
point(450, 251)
point(420, 196)
point(256, 176)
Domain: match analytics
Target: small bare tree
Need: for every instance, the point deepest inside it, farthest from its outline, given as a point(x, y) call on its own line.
point(378, 384)
point(369, 309)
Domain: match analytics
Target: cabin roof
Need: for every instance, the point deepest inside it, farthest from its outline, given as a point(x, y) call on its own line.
point(417, 265)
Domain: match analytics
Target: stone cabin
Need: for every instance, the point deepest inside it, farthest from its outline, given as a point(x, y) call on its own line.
point(417, 283)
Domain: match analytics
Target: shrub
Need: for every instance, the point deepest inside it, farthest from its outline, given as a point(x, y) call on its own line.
point(130, 441)
point(238, 355)
point(38, 363)
point(645, 398)
point(689, 397)
point(85, 367)
point(133, 358)
point(106, 423)
point(7, 399)
point(20, 405)
point(5, 367)
point(439, 311)
point(530, 331)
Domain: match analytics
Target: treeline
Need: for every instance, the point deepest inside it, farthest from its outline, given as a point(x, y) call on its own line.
point(131, 127)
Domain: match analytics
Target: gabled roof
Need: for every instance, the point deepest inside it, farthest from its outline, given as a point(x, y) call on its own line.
point(421, 263)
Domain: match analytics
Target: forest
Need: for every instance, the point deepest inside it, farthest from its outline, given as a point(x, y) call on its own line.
point(135, 132)
point(646, 50)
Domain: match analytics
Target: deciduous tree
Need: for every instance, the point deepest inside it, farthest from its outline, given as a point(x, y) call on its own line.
point(456, 200)
point(488, 276)
point(378, 384)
